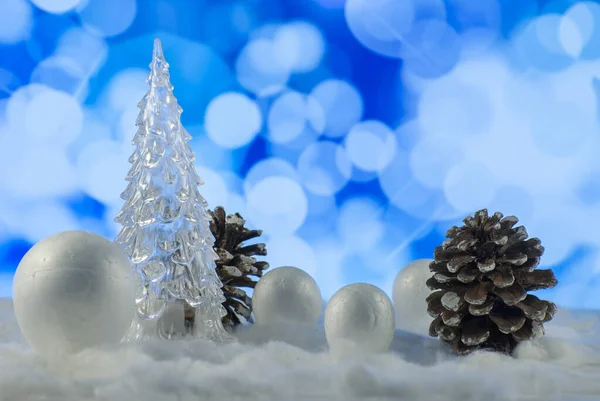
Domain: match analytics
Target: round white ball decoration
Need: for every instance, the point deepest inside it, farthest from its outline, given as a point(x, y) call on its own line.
point(362, 314)
point(74, 290)
point(409, 294)
point(287, 294)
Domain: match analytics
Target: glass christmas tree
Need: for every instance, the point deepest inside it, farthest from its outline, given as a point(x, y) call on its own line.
point(165, 219)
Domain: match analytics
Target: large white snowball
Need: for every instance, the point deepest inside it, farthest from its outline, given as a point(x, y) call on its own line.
point(409, 296)
point(72, 291)
point(287, 294)
point(362, 314)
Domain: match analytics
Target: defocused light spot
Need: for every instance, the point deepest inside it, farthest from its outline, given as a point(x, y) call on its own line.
point(406, 193)
point(382, 25)
point(333, 4)
point(272, 167)
point(94, 129)
point(232, 120)
point(84, 48)
point(432, 158)
point(320, 205)
point(561, 128)
point(291, 114)
point(259, 70)
point(102, 167)
point(127, 88)
point(570, 37)
point(8, 82)
point(108, 17)
point(470, 186)
point(370, 145)
point(214, 189)
point(454, 109)
point(359, 224)
point(513, 200)
point(46, 218)
point(56, 6)
point(538, 44)
point(18, 102)
point(465, 14)
point(580, 30)
point(277, 205)
point(15, 20)
point(292, 251)
point(342, 104)
point(299, 46)
point(359, 175)
point(36, 170)
point(53, 117)
point(61, 73)
point(324, 168)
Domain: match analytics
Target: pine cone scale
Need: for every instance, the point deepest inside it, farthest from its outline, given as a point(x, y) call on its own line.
point(235, 263)
point(480, 278)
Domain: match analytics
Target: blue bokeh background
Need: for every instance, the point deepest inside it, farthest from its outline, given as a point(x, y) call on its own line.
point(353, 132)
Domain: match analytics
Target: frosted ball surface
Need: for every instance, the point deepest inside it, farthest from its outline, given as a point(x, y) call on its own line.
point(362, 314)
point(409, 295)
point(72, 291)
point(287, 294)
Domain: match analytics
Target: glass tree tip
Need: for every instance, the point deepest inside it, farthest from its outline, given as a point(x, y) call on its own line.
point(157, 53)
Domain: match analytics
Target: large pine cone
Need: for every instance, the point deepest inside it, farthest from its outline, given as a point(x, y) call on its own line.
point(236, 265)
point(482, 275)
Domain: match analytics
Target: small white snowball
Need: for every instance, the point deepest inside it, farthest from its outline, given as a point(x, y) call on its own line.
point(287, 294)
point(362, 314)
point(73, 290)
point(409, 296)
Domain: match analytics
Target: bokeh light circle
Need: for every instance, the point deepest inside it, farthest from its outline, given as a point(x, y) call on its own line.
point(16, 20)
point(324, 168)
point(360, 224)
point(342, 104)
point(56, 6)
point(291, 114)
point(232, 120)
point(292, 251)
point(470, 186)
point(53, 117)
point(272, 166)
point(108, 17)
point(299, 46)
point(259, 70)
point(370, 145)
point(277, 205)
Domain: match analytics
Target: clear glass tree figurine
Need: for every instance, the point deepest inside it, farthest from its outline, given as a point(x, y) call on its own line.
point(165, 220)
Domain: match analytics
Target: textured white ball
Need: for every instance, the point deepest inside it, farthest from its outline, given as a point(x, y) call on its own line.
point(72, 291)
point(287, 294)
point(409, 295)
point(362, 314)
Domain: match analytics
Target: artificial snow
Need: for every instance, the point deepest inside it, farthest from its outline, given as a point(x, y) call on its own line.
point(292, 363)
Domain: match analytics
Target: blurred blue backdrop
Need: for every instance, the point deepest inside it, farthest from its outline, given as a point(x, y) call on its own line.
point(353, 132)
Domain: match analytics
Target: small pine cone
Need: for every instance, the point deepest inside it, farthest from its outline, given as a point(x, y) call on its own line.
point(482, 275)
point(236, 265)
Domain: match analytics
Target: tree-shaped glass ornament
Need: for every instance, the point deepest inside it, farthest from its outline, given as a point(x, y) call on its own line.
point(165, 220)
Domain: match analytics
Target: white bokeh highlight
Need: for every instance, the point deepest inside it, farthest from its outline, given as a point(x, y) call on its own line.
point(232, 120)
point(370, 145)
point(15, 21)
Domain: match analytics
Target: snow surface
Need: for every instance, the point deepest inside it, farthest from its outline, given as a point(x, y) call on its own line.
point(292, 363)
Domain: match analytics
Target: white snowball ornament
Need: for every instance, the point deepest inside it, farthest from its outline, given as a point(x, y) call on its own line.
point(362, 314)
point(409, 295)
point(72, 291)
point(287, 294)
